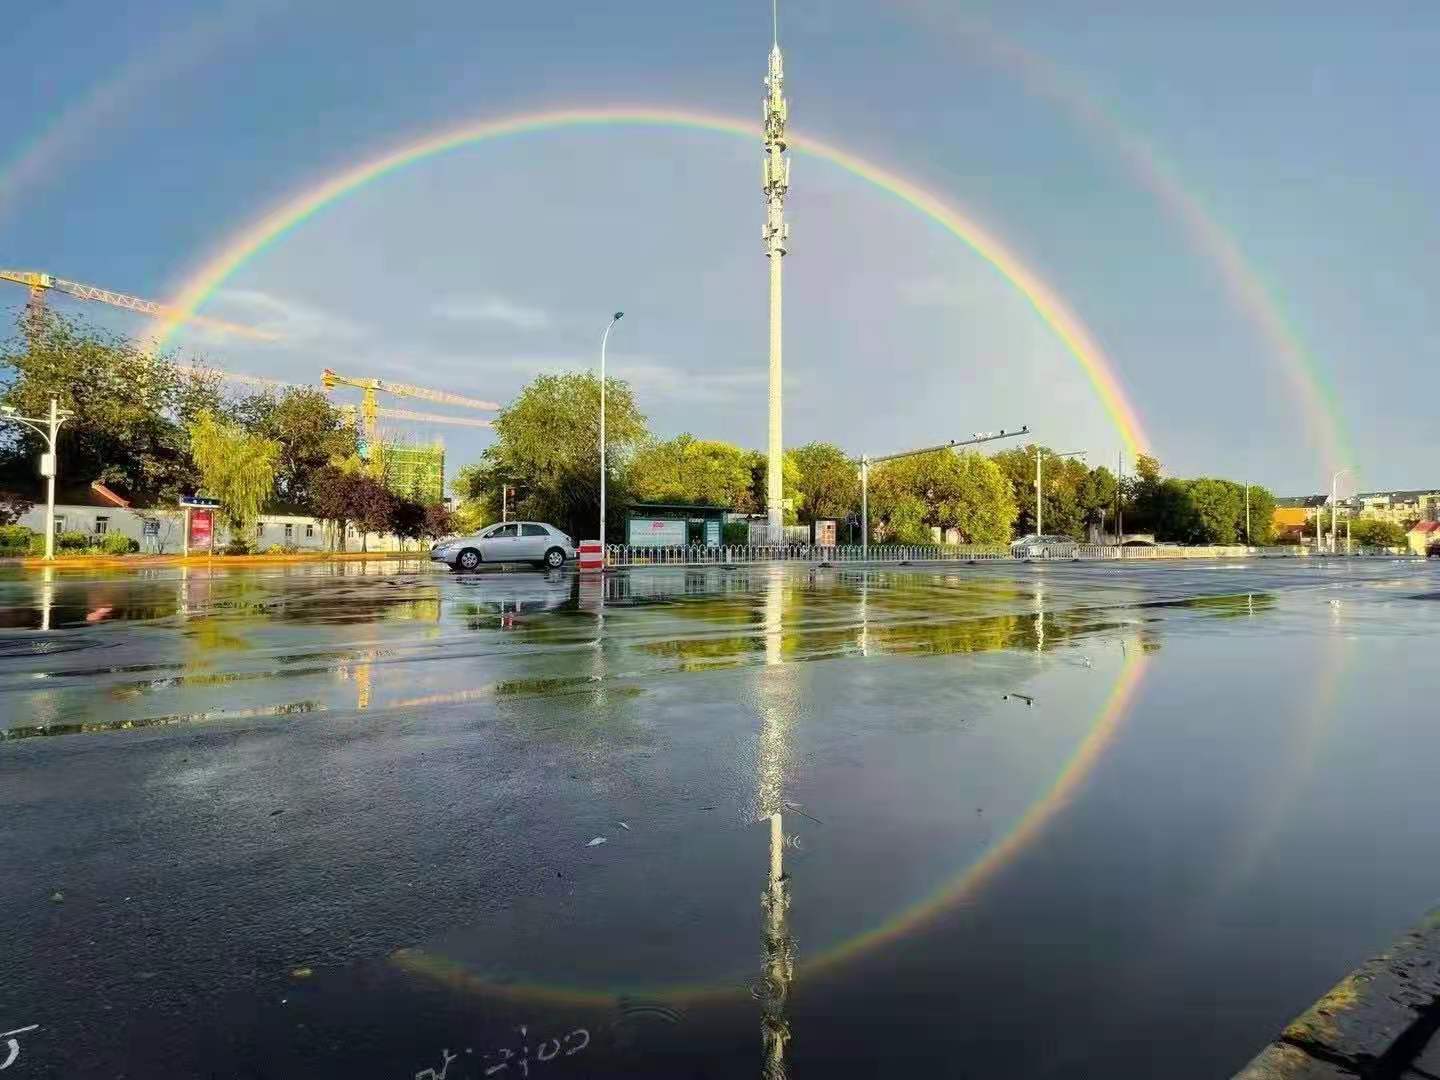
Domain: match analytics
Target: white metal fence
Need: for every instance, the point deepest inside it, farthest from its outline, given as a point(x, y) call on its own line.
point(725, 555)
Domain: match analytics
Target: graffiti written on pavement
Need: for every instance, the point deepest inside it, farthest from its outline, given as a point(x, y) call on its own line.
point(11, 1046)
point(498, 1062)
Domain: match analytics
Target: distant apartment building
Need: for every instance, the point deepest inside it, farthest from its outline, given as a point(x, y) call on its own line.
point(1293, 519)
point(1295, 515)
point(1397, 507)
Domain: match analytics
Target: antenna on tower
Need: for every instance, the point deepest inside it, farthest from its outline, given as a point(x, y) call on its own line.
point(775, 20)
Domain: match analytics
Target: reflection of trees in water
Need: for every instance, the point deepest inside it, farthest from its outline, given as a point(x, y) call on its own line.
point(817, 621)
point(328, 599)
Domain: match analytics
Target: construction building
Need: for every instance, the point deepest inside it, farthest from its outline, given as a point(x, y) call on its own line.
point(415, 472)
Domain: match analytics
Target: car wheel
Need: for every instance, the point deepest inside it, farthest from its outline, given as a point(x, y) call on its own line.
point(554, 558)
point(469, 559)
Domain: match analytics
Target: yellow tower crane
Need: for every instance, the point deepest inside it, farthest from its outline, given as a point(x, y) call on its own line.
point(40, 283)
point(381, 412)
point(370, 407)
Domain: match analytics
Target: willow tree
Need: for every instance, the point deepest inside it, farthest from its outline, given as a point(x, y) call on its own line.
point(235, 467)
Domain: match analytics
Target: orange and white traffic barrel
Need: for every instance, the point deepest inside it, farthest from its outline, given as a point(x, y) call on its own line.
point(592, 556)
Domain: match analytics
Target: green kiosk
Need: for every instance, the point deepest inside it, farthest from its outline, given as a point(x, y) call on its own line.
point(674, 525)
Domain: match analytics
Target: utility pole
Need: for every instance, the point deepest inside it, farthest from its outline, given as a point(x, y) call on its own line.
point(1247, 515)
point(49, 432)
point(604, 338)
point(866, 461)
point(776, 234)
point(1119, 505)
point(1335, 510)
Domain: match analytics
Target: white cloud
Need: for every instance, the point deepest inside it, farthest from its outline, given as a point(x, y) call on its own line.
point(650, 380)
point(654, 381)
point(492, 309)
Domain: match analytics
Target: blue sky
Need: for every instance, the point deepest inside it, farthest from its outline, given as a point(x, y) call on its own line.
point(143, 136)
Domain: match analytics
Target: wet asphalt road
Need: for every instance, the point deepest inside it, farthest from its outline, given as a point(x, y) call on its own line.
point(1033, 821)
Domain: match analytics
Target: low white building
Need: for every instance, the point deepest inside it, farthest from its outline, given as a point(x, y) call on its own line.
point(98, 512)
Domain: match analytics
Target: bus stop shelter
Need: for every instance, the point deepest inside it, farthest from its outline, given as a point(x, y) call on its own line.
point(674, 525)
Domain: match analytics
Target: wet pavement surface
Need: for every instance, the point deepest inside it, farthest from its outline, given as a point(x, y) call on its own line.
point(371, 819)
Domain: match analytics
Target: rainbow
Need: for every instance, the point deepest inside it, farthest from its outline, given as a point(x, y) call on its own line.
point(264, 233)
point(1258, 300)
point(962, 887)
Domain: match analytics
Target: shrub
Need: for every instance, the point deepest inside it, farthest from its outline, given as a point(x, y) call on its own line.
point(71, 541)
point(735, 533)
point(281, 549)
point(15, 539)
point(237, 547)
point(118, 544)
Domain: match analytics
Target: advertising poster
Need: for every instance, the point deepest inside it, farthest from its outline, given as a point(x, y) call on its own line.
point(202, 526)
point(657, 532)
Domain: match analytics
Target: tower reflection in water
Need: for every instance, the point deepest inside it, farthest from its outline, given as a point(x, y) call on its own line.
point(776, 699)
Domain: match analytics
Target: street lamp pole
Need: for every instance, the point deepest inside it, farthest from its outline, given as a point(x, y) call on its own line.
point(1247, 515)
point(866, 461)
point(50, 432)
point(603, 340)
point(1335, 511)
point(1039, 502)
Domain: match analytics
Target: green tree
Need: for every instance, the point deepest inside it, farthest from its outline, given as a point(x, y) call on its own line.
point(1262, 515)
point(828, 483)
point(236, 467)
point(943, 490)
point(547, 444)
point(1217, 509)
point(1075, 494)
point(690, 470)
point(311, 433)
point(1097, 496)
point(130, 410)
point(1146, 506)
point(1371, 532)
point(1018, 466)
point(759, 481)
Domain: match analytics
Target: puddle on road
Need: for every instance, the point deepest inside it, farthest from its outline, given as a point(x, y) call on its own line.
point(818, 862)
point(231, 644)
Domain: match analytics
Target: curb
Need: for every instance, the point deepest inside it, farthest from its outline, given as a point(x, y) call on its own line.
point(1374, 1023)
point(140, 562)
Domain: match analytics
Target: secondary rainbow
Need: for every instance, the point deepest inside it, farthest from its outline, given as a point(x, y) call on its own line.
point(1064, 323)
point(1314, 390)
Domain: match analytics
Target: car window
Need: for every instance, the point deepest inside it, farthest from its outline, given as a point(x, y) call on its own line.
point(533, 530)
point(503, 530)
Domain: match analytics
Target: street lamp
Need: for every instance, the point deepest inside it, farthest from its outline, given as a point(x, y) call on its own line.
point(1039, 501)
point(866, 461)
point(603, 339)
point(1335, 510)
point(49, 432)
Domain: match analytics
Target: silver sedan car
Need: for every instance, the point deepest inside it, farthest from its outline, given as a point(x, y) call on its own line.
point(509, 542)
